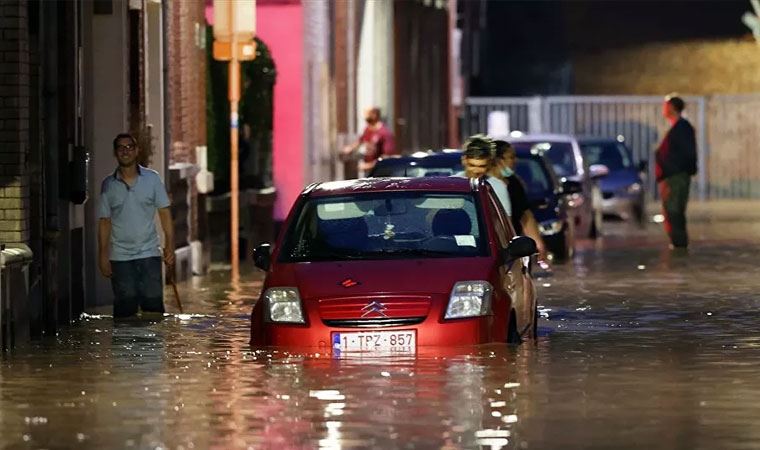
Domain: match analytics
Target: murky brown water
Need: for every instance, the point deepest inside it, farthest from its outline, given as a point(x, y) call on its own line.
point(638, 349)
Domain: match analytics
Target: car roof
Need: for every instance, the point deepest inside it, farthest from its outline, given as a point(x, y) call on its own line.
point(597, 140)
point(451, 154)
point(367, 185)
point(552, 137)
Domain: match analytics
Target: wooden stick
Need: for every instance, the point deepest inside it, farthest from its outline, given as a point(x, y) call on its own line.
point(176, 294)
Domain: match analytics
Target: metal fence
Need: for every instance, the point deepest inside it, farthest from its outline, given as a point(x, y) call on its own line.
point(728, 136)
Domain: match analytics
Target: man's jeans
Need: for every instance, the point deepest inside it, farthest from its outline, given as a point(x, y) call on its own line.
point(674, 192)
point(137, 283)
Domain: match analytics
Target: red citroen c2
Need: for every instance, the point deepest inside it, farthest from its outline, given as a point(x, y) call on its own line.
point(391, 264)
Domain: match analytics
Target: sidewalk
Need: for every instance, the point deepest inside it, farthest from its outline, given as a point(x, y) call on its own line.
point(716, 210)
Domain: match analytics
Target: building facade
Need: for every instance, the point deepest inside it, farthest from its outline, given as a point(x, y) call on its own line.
point(73, 75)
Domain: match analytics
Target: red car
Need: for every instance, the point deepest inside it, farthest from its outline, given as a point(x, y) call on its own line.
point(391, 264)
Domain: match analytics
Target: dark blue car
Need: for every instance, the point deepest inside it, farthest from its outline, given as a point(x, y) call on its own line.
point(422, 164)
point(544, 192)
point(622, 187)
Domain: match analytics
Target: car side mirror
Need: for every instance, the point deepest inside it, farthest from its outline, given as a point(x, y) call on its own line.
point(571, 187)
point(262, 256)
point(520, 247)
point(598, 171)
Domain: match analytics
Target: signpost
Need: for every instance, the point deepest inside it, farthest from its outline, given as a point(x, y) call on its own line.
point(234, 29)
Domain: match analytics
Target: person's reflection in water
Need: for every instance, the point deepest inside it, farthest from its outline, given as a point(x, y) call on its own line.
point(137, 381)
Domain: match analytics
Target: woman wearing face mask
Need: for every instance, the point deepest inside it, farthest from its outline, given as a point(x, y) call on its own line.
point(523, 220)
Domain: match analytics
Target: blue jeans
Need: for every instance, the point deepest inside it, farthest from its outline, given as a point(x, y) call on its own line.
point(137, 283)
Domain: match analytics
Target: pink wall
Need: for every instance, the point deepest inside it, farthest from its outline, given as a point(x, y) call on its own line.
point(280, 26)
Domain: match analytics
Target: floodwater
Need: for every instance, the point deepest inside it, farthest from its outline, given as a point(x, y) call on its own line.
point(638, 348)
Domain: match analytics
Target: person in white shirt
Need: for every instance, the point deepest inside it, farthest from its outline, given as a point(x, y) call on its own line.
point(478, 160)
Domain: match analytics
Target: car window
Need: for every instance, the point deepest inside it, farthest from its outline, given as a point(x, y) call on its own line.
point(393, 225)
point(614, 155)
point(560, 154)
point(534, 176)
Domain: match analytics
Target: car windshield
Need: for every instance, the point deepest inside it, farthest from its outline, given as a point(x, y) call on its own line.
point(560, 154)
point(533, 174)
point(393, 225)
point(614, 155)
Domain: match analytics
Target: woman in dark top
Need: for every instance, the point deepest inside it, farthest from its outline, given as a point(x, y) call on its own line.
point(522, 218)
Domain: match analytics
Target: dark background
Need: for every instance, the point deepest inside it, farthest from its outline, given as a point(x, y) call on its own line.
point(527, 47)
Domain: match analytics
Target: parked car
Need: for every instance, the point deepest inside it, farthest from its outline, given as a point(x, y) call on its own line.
point(421, 164)
point(548, 203)
point(389, 265)
point(577, 177)
point(622, 188)
point(545, 193)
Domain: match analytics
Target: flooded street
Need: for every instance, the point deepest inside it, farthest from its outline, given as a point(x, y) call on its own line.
point(638, 348)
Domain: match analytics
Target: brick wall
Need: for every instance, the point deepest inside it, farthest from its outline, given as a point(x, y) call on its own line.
point(689, 67)
point(14, 122)
point(187, 89)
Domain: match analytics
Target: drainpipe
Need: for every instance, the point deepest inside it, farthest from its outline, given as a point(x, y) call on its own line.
point(165, 68)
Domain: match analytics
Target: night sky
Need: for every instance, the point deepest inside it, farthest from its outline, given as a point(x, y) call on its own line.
point(529, 45)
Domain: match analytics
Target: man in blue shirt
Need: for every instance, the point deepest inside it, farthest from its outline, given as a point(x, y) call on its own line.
point(128, 244)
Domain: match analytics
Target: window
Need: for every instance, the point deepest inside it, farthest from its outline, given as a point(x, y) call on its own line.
point(533, 174)
point(614, 155)
point(560, 154)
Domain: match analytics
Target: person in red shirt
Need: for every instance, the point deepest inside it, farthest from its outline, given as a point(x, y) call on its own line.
point(377, 139)
point(676, 163)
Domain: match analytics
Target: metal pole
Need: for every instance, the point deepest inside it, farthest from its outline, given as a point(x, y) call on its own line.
point(234, 92)
point(234, 96)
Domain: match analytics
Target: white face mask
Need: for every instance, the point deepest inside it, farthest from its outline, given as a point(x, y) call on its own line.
point(506, 172)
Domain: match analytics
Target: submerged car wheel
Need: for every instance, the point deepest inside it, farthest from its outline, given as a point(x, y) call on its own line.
point(513, 337)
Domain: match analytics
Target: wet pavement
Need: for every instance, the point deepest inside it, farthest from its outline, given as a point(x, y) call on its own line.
point(638, 348)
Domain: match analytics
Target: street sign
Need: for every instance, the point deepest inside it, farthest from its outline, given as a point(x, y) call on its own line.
point(234, 29)
point(234, 18)
point(246, 51)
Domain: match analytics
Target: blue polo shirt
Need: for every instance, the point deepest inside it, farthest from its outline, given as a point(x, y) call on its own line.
point(132, 210)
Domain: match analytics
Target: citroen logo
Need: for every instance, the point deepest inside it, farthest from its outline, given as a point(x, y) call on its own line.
point(349, 282)
point(374, 307)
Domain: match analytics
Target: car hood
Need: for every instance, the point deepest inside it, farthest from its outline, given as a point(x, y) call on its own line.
point(359, 278)
point(618, 180)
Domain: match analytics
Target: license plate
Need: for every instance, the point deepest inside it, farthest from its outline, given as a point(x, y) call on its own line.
point(376, 341)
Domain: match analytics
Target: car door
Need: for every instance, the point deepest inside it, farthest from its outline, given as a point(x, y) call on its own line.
point(512, 274)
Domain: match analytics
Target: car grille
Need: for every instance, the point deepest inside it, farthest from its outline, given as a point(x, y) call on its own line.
point(374, 323)
point(358, 308)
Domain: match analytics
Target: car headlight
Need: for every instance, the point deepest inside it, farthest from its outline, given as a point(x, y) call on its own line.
point(469, 299)
point(550, 227)
point(634, 188)
point(283, 305)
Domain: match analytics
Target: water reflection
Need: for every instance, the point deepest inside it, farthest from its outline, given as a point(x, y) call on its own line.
point(639, 348)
